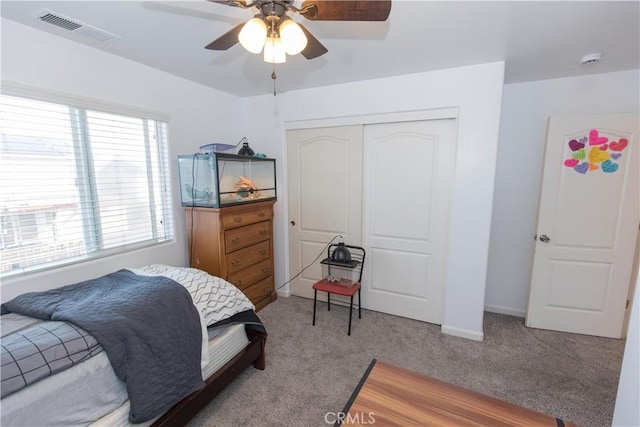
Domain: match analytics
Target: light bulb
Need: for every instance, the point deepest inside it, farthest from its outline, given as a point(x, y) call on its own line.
point(253, 34)
point(292, 37)
point(274, 51)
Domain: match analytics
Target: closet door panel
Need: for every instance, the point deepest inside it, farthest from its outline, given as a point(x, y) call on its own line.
point(324, 195)
point(408, 169)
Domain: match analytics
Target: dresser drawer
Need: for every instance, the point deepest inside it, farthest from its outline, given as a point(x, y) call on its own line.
point(260, 290)
point(242, 237)
point(243, 258)
point(247, 277)
point(238, 219)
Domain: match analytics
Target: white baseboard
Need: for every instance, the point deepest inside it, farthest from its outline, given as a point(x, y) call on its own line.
point(505, 310)
point(286, 293)
point(462, 333)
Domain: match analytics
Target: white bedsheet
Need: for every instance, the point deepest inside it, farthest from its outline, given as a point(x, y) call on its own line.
point(91, 391)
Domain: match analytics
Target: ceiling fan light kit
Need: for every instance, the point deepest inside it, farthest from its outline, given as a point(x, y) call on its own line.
point(274, 51)
point(253, 34)
point(271, 26)
point(292, 36)
point(278, 36)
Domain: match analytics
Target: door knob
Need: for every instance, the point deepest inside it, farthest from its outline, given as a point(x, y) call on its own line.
point(545, 239)
point(293, 223)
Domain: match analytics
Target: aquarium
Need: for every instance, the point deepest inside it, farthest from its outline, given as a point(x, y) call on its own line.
point(216, 180)
point(345, 274)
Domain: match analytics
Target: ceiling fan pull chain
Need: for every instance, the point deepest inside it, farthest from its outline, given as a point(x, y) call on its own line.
point(273, 77)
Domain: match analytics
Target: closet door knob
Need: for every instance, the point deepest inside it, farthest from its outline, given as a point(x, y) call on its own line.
point(293, 223)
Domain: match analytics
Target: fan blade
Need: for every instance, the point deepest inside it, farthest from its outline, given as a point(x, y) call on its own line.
point(235, 3)
point(314, 47)
point(347, 10)
point(226, 40)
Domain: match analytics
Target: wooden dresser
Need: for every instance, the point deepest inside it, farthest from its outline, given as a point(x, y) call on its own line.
point(236, 244)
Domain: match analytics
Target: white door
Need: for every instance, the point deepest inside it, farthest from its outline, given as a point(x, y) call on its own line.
point(587, 225)
point(408, 178)
point(325, 197)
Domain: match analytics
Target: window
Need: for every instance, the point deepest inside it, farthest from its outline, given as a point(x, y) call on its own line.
point(77, 183)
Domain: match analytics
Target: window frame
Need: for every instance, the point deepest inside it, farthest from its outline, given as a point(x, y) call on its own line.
point(78, 107)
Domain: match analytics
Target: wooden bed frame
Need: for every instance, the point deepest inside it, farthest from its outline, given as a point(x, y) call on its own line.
point(187, 408)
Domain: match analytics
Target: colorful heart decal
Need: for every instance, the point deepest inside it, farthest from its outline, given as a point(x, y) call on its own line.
point(601, 155)
point(609, 167)
point(596, 139)
point(582, 168)
point(620, 145)
point(580, 154)
point(597, 156)
point(571, 162)
point(575, 145)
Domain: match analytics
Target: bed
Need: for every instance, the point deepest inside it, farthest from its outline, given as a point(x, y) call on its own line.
point(158, 343)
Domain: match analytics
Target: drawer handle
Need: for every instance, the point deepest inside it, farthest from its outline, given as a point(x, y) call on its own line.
point(263, 251)
point(238, 219)
point(239, 282)
point(263, 232)
point(235, 240)
point(265, 269)
point(261, 214)
point(236, 263)
point(266, 290)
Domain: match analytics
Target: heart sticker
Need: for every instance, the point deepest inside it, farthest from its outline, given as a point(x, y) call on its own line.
point(601, 154)
point(575, 145)
point(595, 139)
point(582, 168)
point(578, 154)
point(597, 156)
point(609, 167)
point(620, 145)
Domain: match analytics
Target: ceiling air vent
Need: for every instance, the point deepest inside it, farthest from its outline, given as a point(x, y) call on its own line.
point(74, 25)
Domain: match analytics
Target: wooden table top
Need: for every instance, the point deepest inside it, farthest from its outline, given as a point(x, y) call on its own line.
point(392, 396)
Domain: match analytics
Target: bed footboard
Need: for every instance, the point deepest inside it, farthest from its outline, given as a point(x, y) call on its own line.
point(187, 408)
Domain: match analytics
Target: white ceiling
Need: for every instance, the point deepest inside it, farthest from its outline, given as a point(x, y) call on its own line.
point(537, 39)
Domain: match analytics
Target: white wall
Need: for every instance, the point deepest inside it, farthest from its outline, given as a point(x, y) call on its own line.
point(627, 411)
point(525, 110)
point(476, 91)
point(198, 115)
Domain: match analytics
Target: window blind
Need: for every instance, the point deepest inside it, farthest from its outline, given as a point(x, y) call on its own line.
point(77, 183)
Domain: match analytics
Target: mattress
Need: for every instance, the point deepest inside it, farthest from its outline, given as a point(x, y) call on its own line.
point(91, 391)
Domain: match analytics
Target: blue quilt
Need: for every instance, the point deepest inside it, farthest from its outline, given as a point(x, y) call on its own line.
point(148, 326)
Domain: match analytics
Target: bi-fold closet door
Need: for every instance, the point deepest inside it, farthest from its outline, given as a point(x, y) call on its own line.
point(384, 186)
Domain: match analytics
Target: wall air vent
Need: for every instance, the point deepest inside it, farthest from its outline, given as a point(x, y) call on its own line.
point(74, 25)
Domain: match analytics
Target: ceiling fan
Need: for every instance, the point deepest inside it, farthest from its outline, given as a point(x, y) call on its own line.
point(275, 32)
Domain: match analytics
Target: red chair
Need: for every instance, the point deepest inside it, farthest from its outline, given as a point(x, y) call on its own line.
point(344, 278)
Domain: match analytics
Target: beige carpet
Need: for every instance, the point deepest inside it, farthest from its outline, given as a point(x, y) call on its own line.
point(313, 370)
